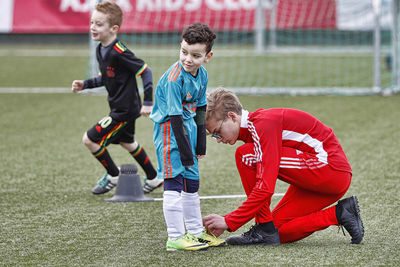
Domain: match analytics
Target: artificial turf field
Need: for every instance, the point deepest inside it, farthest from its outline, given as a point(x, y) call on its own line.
point(49, 217)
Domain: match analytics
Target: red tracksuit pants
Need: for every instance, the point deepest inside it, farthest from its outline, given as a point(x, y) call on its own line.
point(302, 209)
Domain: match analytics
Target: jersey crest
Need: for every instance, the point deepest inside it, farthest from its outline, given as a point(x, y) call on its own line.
point(110, 72)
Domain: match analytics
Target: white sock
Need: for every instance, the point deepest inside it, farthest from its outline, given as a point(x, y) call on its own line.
point(173, 214)
point(192, 213)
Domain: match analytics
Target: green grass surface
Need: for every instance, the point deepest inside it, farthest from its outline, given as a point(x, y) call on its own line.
point(48, 216)
point(51, 66)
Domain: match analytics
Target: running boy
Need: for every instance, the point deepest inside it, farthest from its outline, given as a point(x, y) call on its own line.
point(118, 67)
point(180, 139)
point(292, 146)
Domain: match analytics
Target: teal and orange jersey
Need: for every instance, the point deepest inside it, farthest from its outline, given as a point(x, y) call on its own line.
point(179, 93)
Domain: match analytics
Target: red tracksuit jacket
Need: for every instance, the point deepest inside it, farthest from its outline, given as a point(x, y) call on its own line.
point(270, 130)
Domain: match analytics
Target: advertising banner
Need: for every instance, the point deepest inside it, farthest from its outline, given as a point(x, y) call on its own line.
point(73, 16)
point(65, 16)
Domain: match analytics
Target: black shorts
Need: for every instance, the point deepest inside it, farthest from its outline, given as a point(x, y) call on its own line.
point(109, 131)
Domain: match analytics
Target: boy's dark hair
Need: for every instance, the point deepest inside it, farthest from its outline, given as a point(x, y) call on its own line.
point(199, 33)
point(113, 12)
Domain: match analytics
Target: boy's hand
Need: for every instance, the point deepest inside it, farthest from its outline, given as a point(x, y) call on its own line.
point(77, 85)
point(146, 110)
point(200, 156)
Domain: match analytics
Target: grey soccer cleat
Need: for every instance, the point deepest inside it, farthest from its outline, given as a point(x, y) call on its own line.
point(150, 185)
point(105, 184)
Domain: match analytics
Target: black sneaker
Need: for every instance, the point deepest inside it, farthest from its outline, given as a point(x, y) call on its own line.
point(255, 236)
point(348, 216)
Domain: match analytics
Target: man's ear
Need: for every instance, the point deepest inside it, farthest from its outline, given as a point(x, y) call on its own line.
point(209, 56)
point(233, 115)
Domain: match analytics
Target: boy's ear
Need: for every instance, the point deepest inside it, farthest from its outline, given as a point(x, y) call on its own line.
point(208, 56)
point(115, 28)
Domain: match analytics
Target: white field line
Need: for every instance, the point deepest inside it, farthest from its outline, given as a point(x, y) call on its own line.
point(224, 196)
point(34, 90)
point(50, 90)
point(43, 53)
point(237, 90)
point(277, 52)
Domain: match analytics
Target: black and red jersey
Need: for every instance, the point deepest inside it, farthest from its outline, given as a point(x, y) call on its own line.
point(119, 68)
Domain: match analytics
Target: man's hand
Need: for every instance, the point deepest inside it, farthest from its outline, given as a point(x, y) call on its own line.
point(215, 224)
point(146, 110)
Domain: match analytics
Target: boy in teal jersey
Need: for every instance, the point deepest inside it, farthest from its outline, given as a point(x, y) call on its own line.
point(180, 139)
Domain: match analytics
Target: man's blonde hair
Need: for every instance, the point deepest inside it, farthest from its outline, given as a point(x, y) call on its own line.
point(113, 12)
point(220, 102)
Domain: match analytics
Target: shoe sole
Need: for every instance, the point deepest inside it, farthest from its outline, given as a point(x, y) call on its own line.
point(102, 192)
point(359, 221)
point(174, 249)
point(253, 244)
point(274, 243)
point(220, 245)
point(256, 244)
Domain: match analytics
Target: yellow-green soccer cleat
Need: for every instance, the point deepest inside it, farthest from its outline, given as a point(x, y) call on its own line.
point(187, 242)
point(211, 239)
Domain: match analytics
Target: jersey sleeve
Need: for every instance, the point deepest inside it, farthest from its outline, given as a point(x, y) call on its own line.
point(93, 82)
point(267, 138)
point(173, 89)
point(201, 130)
point(202, 99)
point(200, 118)
point(182, 140)
point(129, 61)
point(147, 79)
point(138, 68)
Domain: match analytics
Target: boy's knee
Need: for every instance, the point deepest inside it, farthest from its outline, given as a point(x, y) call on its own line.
point(135, 144)
point(130, 146)
point(85, 140)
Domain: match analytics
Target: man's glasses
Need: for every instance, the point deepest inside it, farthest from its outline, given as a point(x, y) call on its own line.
point(217, 134)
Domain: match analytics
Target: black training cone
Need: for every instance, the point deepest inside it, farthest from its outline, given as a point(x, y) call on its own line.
point(129, 187)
